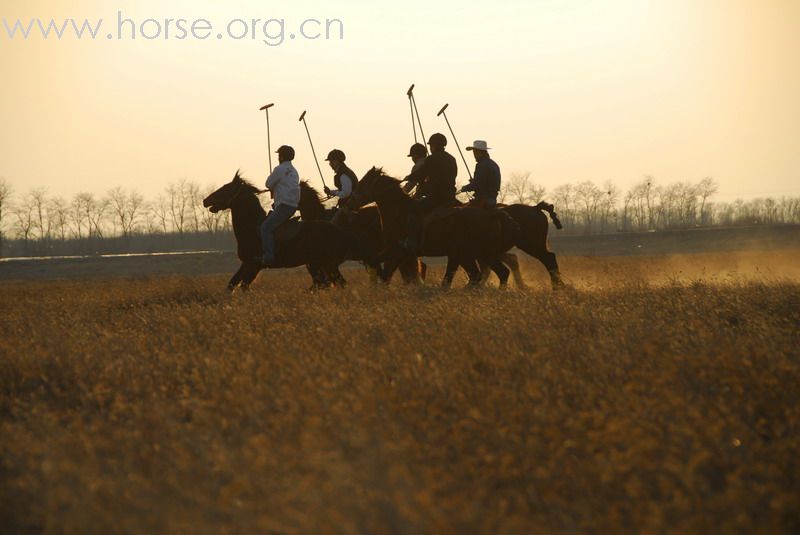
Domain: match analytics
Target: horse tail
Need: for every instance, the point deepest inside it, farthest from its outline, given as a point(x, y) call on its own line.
point(550, 209)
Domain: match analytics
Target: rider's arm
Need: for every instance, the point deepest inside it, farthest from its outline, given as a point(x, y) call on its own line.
point(419, 172)
point(347, 188)
point(275, 177)
point(482, 175)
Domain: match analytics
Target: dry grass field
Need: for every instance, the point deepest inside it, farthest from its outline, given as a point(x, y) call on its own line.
point(658, 394)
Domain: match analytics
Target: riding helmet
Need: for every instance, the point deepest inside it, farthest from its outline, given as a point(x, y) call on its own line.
point(438, 139)
point(417, 149)
point(337, 155)
point(287, 151)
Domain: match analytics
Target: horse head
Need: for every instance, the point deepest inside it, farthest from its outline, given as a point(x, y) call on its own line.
point(372, 187)
point(224, 197)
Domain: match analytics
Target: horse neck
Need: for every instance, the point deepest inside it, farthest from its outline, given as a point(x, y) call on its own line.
point(393, 204)
point(311, 208)
point(246, 212)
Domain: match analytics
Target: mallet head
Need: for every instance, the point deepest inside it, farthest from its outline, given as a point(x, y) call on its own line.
point(410, 90)
point(268, 106)
point(442, 110)
point(302, 117)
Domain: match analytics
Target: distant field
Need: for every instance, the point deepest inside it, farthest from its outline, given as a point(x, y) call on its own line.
point(751, 241)
point(657, 394)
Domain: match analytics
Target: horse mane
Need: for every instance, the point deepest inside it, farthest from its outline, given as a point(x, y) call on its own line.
point(309, 189)
point(249, 187)
point(392, 184)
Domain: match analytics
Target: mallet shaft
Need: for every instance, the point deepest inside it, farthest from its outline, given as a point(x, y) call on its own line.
point(457, 144)
point(316, 161)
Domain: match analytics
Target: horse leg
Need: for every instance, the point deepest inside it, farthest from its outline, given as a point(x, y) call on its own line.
point(450, 272)
point(318, 281)
point(501, 271)
point(486, 268)
point(337, 277)
point(372, 272)
point(410, 271)
point(473, 271)
point(423, 270)
point(236, 279)
point(548, 260)
point(512, 262)
point(249, 275)
point(389, 267)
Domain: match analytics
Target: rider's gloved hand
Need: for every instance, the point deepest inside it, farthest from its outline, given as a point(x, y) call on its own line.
point(327, 190)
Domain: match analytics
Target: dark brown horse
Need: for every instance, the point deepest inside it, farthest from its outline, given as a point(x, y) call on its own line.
point(465, 235)
point(318, 245)
point(364, 225)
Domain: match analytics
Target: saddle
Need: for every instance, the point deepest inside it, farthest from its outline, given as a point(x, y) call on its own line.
point(289, 230)
point(438, 214)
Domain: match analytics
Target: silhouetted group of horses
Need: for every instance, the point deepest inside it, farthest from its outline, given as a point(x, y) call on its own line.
point(477, 239)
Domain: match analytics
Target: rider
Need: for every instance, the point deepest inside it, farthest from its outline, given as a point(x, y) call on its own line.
point(284, 185)
point(439, 189)
point(486, 182)
point(417, 153)
point(345, 181)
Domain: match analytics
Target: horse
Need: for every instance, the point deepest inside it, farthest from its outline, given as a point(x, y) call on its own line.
point(318, 245)
point(365, 226)
point(465, 235)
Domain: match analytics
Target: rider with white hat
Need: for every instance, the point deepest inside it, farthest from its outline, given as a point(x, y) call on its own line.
point(485, 183)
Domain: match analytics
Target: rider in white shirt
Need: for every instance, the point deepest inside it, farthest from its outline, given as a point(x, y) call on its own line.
point(284, 184)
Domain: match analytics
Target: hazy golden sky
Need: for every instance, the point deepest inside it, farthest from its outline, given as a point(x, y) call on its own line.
point(568, 90)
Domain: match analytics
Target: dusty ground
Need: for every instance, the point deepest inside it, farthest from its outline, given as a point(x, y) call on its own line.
point(658, 394)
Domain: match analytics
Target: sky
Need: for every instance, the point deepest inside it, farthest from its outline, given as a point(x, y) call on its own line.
point(566, 90)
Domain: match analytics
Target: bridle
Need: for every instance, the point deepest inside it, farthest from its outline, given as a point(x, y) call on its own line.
point(239, 192)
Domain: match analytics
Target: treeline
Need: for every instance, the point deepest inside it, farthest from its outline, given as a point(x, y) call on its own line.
point(120, 221)
point(586, 208)
point(123, 221)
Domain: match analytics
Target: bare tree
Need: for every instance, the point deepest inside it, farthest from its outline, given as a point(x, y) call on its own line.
point(77, 215)
point(38, 200)
point(707, 189)
point(24, 219)
point(564, 198)
point(179, 204)
point(58, 213)
point(96, 213)
point(195, 206)
point(5, 195)
point(608, 205)
point(160, 211)
point(521, 189)
point(589, 199)
point(126, 208)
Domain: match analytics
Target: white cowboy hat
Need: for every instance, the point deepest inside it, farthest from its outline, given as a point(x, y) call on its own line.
point(479, 144)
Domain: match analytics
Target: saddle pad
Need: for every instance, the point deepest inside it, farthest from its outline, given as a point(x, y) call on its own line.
point(438, 214)
point(289, 230)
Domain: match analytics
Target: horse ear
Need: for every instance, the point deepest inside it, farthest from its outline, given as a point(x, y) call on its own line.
point(238, 176)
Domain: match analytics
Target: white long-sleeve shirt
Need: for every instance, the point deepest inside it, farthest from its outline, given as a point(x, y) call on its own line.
point(347, 188)
point(284, 183)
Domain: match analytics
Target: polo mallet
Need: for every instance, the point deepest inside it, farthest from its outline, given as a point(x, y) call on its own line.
point(411, 104)
point(303, 120)
point(441, 112)
point(414, 109)
point(269, 141)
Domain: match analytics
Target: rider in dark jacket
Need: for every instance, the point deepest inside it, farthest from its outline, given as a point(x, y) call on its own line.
point(345, 181)
point(485, 185)
point(436, 187)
